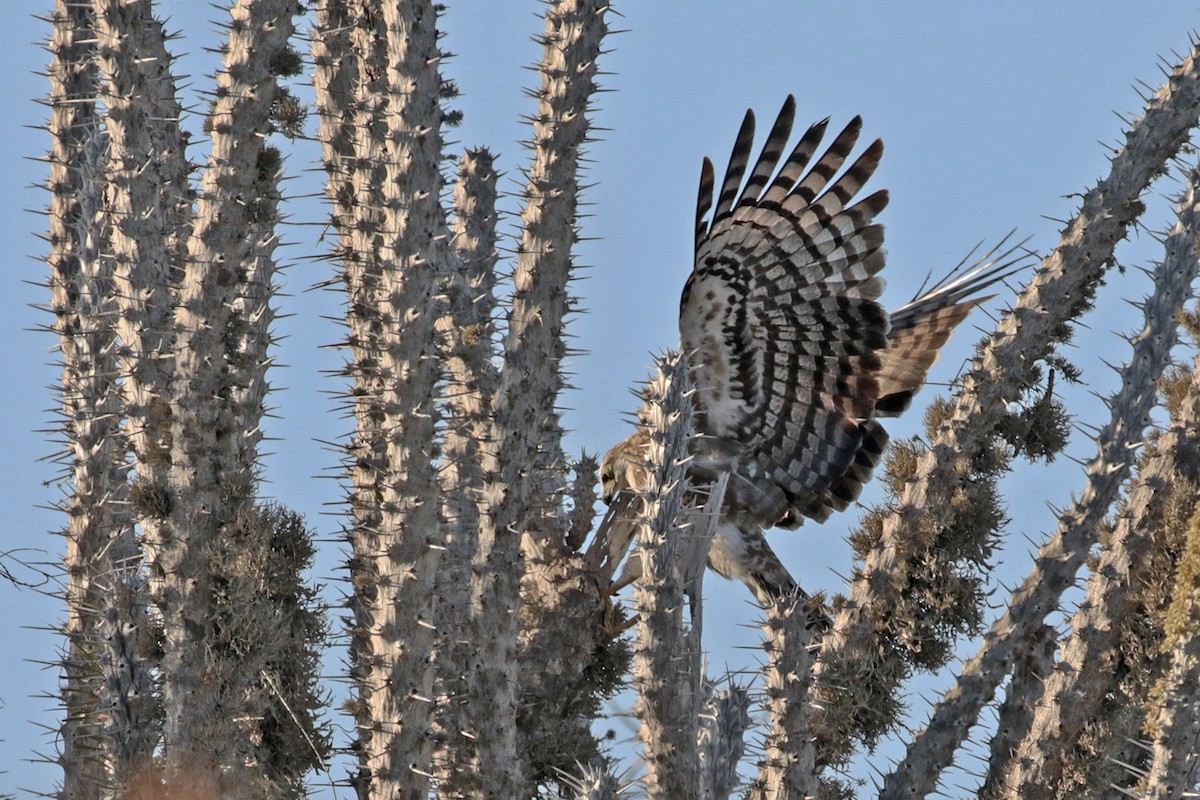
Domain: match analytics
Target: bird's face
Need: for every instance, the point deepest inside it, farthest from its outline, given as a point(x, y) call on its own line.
point(608, 485)
point(624, 466)
point(608, 474)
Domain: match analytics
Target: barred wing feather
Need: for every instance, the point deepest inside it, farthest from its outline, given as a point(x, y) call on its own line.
point(792, 355)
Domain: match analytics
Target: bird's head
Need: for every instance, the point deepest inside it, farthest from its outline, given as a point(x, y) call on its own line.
point(624, 466)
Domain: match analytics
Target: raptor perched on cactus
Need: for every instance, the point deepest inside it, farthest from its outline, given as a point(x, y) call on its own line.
point(792, 355)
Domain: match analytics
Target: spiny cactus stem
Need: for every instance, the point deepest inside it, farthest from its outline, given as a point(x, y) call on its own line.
point(1175, 713)
point(206, 447)
point(377, 84)
point(1080, 678)
point(1059, 291)
point(667, 655)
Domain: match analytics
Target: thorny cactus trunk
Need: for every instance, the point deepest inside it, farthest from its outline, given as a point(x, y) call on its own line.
point(210, 483)
point(378, 92)
point(1081, 678)
point(667, 657)
point(82, 306)
point(163, 309)
point(483, 632)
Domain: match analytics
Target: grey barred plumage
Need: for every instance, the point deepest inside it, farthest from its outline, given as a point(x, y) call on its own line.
point(792, 356)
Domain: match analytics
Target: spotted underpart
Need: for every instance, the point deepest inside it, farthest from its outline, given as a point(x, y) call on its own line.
point(792, 356)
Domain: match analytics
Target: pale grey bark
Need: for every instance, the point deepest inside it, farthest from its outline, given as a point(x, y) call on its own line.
point(1031, 665)
point(150, 201)
point(211, 484)
point(1061, 289)
point(251, 337)
point(788, 768)
point(573, 653)
point(523, 529)
point(467, 343)
point(667, 655)
point(724, 720)
point(1174, 718)
point(147, 199)
point(1081, 676)
point(94, 739)
point(378, 87)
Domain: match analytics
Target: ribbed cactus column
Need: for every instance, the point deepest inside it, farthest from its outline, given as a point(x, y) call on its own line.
point(524, 516)
point(80, 284)
point(787, 770)
point(666, 667)
point(148, 203)
point(724, 720)
point(1081, 676)
point(1061, 290)
point(150, 206)
point(378, 90)
point(210, 480)
point(467, 341)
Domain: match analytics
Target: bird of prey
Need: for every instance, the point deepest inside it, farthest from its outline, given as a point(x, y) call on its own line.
point(793, 358)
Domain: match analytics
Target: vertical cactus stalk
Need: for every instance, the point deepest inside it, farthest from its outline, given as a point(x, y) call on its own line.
point(1081, 678)
point(80, 283)
point(788, 768)
point(1031, 666)
point(150, 203)
point(1174, 719)
point(724, 719)
point(213, 483)
point(378, 89)
point(523, 495)
point(467, 341)
point(1062, 289)
point(250, 332)
point(666, 668)
point(571, 621)
point(147, 194)
point(526, 415)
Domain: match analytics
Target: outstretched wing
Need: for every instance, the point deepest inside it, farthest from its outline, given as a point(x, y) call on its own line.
point(781, 321)
point(792, 355)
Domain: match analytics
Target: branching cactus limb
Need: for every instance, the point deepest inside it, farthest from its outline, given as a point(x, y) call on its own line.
point(1031, 665)
point(149, 205)
point(1109, 753)
point(378, 89)
point(466, 334)
point(523, 496)
point(531, 379)
point(357, 217)
point(1082, 675)
point(573, 627)
point(1061, 290)
point(1174, 720)
point(666, 669)
point(204, 443)
point(250, 326)
point(724, 720)
point(788, 768)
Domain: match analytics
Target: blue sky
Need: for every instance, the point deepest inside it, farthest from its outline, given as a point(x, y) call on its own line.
point(992, 113)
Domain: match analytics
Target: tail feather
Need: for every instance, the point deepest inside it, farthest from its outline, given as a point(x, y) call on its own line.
point(920, 328)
